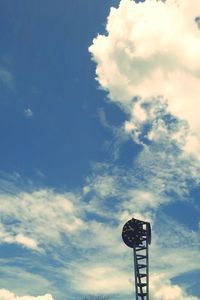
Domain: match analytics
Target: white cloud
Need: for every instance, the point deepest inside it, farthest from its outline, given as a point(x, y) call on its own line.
point(28, 112)
point(39, 218)
point(104, 279)
point(7, 295)
point(7, 236)
point(163, 289)
point(152, 49)
point(105, 186)
point(26, 241)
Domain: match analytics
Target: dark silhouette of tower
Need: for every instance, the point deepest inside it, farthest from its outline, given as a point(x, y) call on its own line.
point(136, 234)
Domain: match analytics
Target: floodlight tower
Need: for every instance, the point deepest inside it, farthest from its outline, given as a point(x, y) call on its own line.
point(136, 234)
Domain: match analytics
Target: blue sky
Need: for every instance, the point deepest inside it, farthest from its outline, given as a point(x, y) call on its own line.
point(45, 54)
point(99, 123)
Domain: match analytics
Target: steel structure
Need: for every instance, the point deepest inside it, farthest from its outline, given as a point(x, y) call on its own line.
point(136, 234)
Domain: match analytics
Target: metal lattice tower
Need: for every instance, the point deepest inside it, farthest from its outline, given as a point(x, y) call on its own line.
point(136, 234)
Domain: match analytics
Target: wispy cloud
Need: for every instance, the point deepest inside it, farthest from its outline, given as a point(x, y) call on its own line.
point(6, 78)
point(87, 227)
point(35, 210)
point(7, 236)
point(18, 277)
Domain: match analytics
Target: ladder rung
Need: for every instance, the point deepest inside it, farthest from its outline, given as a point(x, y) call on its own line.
point(140, 257)
point(142, 294)
point(140, 266)
point(141, 284)
point(142, 275)
point(140, 248)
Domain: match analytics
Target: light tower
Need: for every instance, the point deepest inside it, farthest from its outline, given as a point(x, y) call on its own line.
point(136, 234)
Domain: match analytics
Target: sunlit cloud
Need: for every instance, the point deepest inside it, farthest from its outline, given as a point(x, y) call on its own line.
point(163, 289)
point(7, 295)
point(148, 62)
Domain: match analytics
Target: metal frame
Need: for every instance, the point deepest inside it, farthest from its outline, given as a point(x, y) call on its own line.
point(141, 267)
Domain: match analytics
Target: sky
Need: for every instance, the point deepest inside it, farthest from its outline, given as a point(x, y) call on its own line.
point(99, 123)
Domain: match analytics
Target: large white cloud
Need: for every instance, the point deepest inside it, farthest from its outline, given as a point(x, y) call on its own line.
point(152, 49)
point(163, 289)
point(7, 295)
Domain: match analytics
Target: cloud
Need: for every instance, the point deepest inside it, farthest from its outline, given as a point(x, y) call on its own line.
point(9, 237)
point(26, 274)
point(103, 279)
point(28, 113)
point(6, 78)
point(81, 233)
point(102, 118)
point(163, 289)
point(151, 51)
point(7, 295)
point(38, 218)
point(27, 242)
